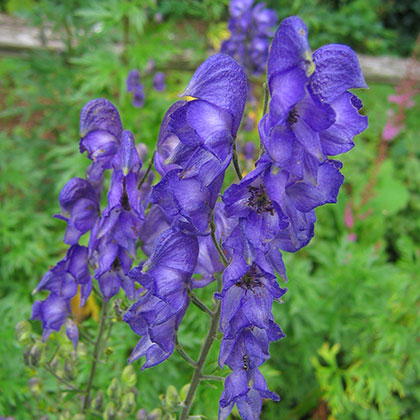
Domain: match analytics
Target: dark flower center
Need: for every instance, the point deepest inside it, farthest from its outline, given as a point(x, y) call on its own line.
point(293, 117)
point(116, 265)
point(251, 279)
point(125, 202)
point(259, 200)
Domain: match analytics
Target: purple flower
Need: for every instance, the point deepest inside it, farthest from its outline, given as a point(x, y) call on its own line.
point(133, 80)
point(80, 209)
point(250, 33)
point(195, 142)
point(113, 239)
point(133, 84)
point(309, 103)
point(138, 96)
point(62, 282)
point(159, 81)
point(100, 135)
point(157, 314)
point(265, 19)
point(246, 389)
point(249, 289)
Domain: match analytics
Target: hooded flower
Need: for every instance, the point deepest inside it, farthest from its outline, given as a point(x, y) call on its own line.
point(312, 114)
point(274, 204)
point(112, 243)
point(100, 135)
point(80, 209)
point(62, 282)
point(249, 289)
point(166, 276)
point(195, 142)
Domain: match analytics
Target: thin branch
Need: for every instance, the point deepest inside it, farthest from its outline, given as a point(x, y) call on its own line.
point(236, 161)
point(198, 371)
point(184, 355)
point(266, 98)
point(68, 384)
point(223, 259)
point(149, 168)
point(212, 378)
point(96, 353)
point(201, 305)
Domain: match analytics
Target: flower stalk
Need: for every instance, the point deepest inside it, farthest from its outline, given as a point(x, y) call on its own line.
point(96, 353)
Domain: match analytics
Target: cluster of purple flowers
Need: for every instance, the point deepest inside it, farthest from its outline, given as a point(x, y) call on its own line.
point(134, 85)
point(113, 233)
point(186, 230)
point(250, 34)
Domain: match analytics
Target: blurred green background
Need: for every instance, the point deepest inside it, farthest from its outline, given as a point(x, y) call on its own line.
point(351, 313)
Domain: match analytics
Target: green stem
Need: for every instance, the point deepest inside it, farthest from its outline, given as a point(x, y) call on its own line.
point(216, 244)
point(236, 161)
point(265, 107)
point(266, 98)
point(96, 353)
point(59, 378)
point(198, 371)
point(149, 168)
point(201, 305)
point(184, 354)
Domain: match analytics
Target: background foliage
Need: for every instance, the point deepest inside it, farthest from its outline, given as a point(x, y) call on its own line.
point(351, 313)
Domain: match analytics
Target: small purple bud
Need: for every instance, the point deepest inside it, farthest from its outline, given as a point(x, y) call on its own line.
point(138, 96)
point(72, 332)
point(159, 81)
point(133, 80)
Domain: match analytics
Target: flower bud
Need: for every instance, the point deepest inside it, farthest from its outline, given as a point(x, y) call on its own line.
point(35, 386)
point(156, 414)
point(129, 376)
point(110, 412)
point(114, 390)
point(128, 403)
point(184, 392)
point(26, 355)
point(98, 402)
point(23, 332)
point(172, 399)
point(36, 352)
point(141, 414)
point(82, 350)
point(108, 351)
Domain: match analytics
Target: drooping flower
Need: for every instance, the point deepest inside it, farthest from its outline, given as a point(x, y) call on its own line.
point(196, 140)
point(312, 114)
point(166, 276)
point(100, 135)
point(62, 282)
point(112, 243)
point(80, 209)
point(249, 289)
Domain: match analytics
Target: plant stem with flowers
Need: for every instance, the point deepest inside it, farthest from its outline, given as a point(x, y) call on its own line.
point(190, 237)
